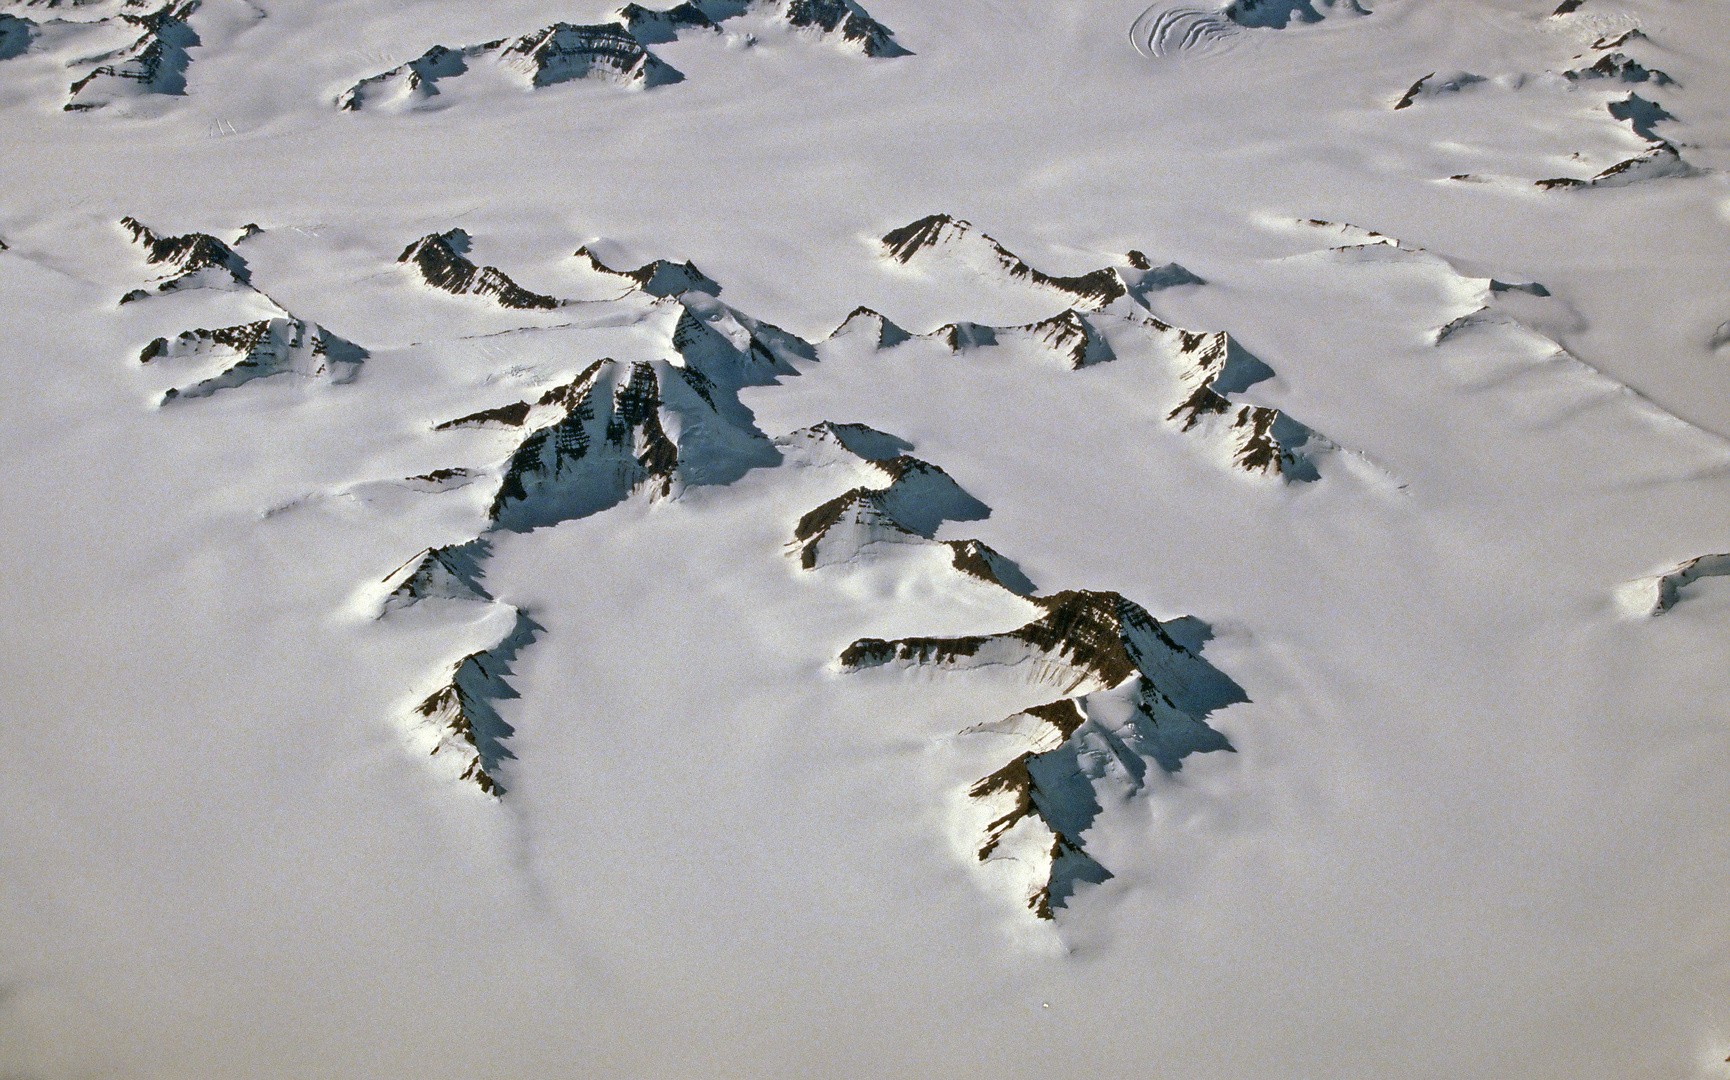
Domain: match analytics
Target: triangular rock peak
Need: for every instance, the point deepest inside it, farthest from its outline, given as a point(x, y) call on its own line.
point(658, 278)
point(189, 261)
point(443, 573)
point(441, 262)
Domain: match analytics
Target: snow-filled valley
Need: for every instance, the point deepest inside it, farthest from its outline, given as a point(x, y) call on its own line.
point(804, 538)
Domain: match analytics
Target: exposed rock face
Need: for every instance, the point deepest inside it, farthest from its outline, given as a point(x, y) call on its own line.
point(1131, 693)
point(977, 559)
point(564, 51)
point(848, 20)
point(447, 573)
point(192, 260)
point(913, 499)
point(16, 34)
point(281, 346)
point(457, 724)
point(1282, 13)
point(441, 262)
point(1660, 161)
point(658, 278)
point(941, 233)
point(1433, 86)
point(946, 237)
point(611, 438)
point(1068, 336)
point(1262, 440)
point(1622, 68)
point(153, 64)
point(556, 54)
point(866, 321)
point(653, 27)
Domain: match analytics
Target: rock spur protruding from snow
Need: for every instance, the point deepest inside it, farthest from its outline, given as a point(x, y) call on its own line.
point(192, 260)
point(443, 573)
point(944, 237)
point(1620, 67)
point(654, 27)
point(155, 63)
point(442, 263)
point(1131, 693)
point(906, 503)
point(555, 54)
point(458, 726)
point(1432, 85)
point(564, 51)
point(1657, 594)
point(609, 437)
point(406, 86)
point(1261, 439)
point(846, 20)
point(658, 278)
point(280, 346)
point(1662, 160)
point(863, 320)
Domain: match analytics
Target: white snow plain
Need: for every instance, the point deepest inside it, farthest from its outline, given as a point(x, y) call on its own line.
point(1474, 824)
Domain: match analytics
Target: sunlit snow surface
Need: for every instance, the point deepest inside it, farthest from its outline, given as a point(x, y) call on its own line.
point(1377, 357)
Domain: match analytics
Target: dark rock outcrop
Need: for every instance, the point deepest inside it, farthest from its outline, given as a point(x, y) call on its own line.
point(958, 239)
point(280, 346)
point(185, 258)
point(652, 27)
point(658, 278)
point(1132, 693)
point(847, 20)
point(459, 720)
point(441, 262)
point(565, 51)
point(155, 63)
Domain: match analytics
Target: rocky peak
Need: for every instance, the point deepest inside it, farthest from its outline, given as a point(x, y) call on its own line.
point(268, 347)
point(184, 257)
point(658, 278)
point(565, 51)
point(846, 19)
point(440, 260)
point(155, 63)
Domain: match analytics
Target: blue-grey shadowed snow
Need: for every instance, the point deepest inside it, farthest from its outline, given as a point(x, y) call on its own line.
point(1670, 585)
point(156, 63)
point(267, 348)
point(450, 573)
point(1282, 13)
point(465, 706)
point(1530, 288)
point(868, 442)
point(1641, 114)
point(16, 34)
point(1242, 370)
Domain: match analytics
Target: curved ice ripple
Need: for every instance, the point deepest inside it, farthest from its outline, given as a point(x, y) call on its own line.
point(1163, 31)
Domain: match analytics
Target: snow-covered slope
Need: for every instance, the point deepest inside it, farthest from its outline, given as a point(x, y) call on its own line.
point(724, 539)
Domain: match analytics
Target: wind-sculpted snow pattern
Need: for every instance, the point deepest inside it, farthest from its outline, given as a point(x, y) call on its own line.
point(1163, 30)
point(1130, 694)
